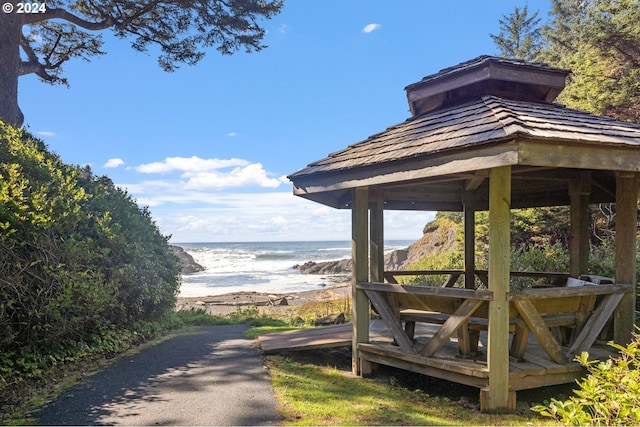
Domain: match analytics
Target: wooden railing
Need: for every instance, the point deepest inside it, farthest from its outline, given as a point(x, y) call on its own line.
point(391, 276)
point(585, 308)
point(555, 278)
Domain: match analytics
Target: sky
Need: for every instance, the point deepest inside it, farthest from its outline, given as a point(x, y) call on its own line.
point(208, 147)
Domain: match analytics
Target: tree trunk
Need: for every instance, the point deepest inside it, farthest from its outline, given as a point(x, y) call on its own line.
point(10, 30)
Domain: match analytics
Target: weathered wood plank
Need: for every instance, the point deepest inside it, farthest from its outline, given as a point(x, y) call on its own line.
point(579, 191)
point(540, 330)
point(587, 156)
point(465, 367)
point(470, 234)
point(549, 365)
point(376, 225)
point(450, 326)
point(388, 316)
point(536, 381)
point(498, 395)
point(520, 339)
point(595, 324)
point(626, 263)
point(304, 339)
point(425, 369)
point(566, 292)
point(426, 290)
point(360, 271)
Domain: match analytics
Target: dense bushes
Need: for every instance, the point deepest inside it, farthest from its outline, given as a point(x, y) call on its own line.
point(539, 242)
point(79, 260)
point(609, 395)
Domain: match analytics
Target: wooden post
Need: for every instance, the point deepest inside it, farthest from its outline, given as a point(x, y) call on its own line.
point(360, 272)
point(469, 240)
point(579, 194)
point(377, 239)
point(626, 231)
point(498, 397)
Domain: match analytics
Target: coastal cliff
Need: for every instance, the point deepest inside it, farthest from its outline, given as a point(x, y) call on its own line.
point(438, 236)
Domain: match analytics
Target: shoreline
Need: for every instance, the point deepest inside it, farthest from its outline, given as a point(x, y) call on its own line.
point(220, 305)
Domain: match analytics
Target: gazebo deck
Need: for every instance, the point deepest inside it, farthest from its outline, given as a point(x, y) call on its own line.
point(535, 370)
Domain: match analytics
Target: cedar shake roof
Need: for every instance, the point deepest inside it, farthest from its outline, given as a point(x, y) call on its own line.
point(486, 75)
point(486, 121)
point(462, 140)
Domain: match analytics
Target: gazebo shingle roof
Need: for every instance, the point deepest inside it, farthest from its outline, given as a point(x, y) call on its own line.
point(485, 121)
point(479, 115)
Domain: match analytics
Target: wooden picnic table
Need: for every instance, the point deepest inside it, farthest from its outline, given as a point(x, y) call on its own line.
point(556, 316)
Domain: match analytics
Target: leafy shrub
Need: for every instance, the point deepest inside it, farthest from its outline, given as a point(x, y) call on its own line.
point(609, 395)
point(79, 260)
point(547, 257)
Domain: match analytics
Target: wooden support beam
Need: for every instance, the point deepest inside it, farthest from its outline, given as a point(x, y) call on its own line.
point(497, 397)
point(579, 194)
point(450, 326)
point(626, 232)
point(469, 240)
point(376, 224)
point(595, 324)
point(388, 316)
point(520, 338)
point(539, 328)
point(360, 272)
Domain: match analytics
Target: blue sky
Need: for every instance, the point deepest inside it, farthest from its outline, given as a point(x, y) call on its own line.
point(208, 147)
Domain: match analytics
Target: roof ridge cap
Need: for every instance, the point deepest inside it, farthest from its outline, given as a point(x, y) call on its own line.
point(504, 114)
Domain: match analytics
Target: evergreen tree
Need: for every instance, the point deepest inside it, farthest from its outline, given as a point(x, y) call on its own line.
point(519, 36)
point(60, 30)
point(599, 41)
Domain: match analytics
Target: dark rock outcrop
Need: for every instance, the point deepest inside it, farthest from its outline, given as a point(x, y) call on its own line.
point(342, 266)
point(187, 264)
point(436, 239)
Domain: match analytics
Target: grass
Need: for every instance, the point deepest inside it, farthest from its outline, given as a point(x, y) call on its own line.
point(310, 394)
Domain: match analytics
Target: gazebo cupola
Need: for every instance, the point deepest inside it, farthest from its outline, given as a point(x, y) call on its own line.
point(486, 135)
point(485, 76)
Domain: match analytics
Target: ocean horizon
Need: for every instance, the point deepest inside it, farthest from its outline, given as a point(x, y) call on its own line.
point(266, 267)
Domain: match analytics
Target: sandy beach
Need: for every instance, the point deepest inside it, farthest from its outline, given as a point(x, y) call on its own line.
point(220, 305)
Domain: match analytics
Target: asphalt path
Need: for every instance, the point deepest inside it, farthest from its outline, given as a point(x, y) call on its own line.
point(208, 376)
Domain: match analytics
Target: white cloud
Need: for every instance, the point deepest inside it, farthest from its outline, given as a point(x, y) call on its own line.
point(369, 28)
point(194, 179)
point(45, 133)
point(274, 216)
point(189, 201)
point(232, 134)
point(190, 216)
point(255, 216)
point(246, 176)
point(113, 163)
point(190, 164)
point(283, 28)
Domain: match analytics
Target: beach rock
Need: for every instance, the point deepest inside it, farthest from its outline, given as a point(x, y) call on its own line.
point(342, 266)
point(332, 319)
point(434, 240)
point(393, 261)
point(187, 264)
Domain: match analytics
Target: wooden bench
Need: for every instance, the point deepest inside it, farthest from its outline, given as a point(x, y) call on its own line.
point(476, 324)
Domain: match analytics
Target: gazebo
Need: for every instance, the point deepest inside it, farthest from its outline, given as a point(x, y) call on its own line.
point(486, 135)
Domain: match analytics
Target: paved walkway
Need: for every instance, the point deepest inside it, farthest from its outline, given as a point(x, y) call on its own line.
point(210, 376)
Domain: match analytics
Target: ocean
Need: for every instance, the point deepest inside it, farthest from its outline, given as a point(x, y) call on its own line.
point(263, 266)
